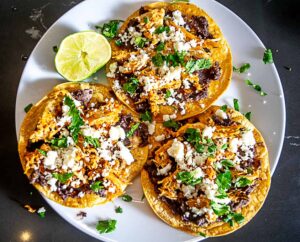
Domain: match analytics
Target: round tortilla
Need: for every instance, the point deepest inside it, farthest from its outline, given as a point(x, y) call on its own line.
point(220, 51)
point(257, 197)
point(119, 178)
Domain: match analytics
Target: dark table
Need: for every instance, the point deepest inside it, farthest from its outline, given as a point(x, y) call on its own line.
point(276, 22)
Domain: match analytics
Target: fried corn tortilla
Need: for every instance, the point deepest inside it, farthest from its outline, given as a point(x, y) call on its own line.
point(170, 59)
point(81, 147)
point(211, 176)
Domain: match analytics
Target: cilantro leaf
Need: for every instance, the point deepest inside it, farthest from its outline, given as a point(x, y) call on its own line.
point(126, 198)
point(119, 210)
point(106, 226)
point(176, 58)
point(268, 56)
point(44, 153)
point(188, 178)
point(231, 217)
point(248, 115)
point(224, 108)
point(196, 65)
point(133, 129)
point(224, 181)
point(146, 116)
point(161, 29)
point(118, 42)
point(158, 60)
point(227, 163)
point(168, 94)
point(219, 209)
point(59, 142)
point(93, 141)
point(140, 41)
point(202, 234)
point(146, 20)
point(42, 212)
point(245, 67)
point(28, 107)
point(131, 86)
point(63, 178)
point(96, 186)
point(55, 49)
point(77, 121)
point(160, 46)
point(236, 104)
point(224, 146)
point(192, 135)
point(171, 124)
point(242, 182)
point(199, 148)
point(109, 29)
point(255, 87)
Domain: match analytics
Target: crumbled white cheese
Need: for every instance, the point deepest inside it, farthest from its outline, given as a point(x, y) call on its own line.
point(164, 170)
point(112, 70)
point(220, 113)
point(91, 132)
point(160, 138)
point(208, 131)
point(151, 127)
point(188, 190)
point(68, 158)
point(198, 173)
point(41, 210)
point(52, 182)
point(233, 145)
point(50, 160)
point(117, 133)
point(176, 150)
point(248, 138)
point(177, 18)
point(125, 153)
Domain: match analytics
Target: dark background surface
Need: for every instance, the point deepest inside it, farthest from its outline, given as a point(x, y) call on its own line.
point(276, 22)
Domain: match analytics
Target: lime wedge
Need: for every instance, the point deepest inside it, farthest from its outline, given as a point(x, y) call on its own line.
point(81, 54)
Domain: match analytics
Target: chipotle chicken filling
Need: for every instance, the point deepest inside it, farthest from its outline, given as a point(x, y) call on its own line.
point(81, 145)
point(162, 63)
point(205, 176)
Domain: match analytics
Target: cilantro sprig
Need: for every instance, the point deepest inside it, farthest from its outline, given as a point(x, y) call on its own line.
point(242, 182)
point(106, 226)
point(62, 178)
point(77, 121)
point(255, 87)
point(188, 178)
point(131, 86)
point(196, 65)
point(243, 68)
point(109, 29)
point(96, 186)
point(60, 142)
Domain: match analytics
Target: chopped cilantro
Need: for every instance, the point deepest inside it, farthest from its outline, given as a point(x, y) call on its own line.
point(119, 210)
point(192, 135)
point(255, 87)
point(158, 59)
point(219, 209)
point(63, 178)
point(59, 142)
point(227, 163)
point(55, 48)
point(146, 20)
point(196, 65)
point(160, 46)
point(140, 41)
point(118, 42)
point(126, 198)
point(242, 182)
point(161, 29)
point(224, 108)
point(212, 149)
point(146, 116)
point(224, 146)
point(131, 86)
point(202, 234)
point(188, 178)
point(168, 94)
point(171, 124)
point(93, 141)
point(231, 217)
point(77, 121)
point(133, 129)
point(42, 213)
point(268, 56)
point(199, 148)
point(224, 181)
point(236, 104)
point(109, 29)
point(245, 67)
point(176, 58)
point(44, 153)
point(106, 226)
point(96, 186)
point(248, 115)
point(28, 107)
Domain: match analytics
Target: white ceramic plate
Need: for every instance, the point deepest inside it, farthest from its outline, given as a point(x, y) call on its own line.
point(137, 222)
